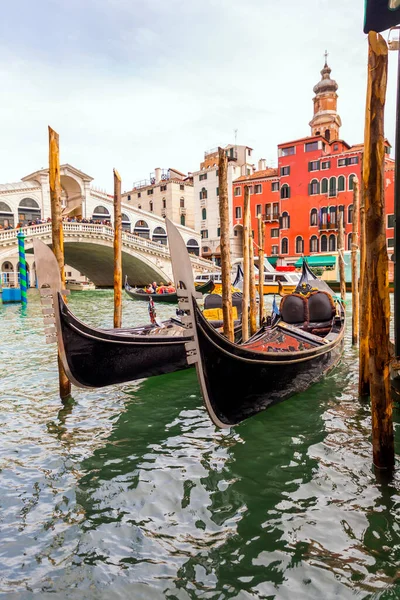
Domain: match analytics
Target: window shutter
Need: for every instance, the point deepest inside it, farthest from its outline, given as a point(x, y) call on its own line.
point(280, 222)
point(309, 189)
point(288, 220)
point(288, 192)
point(318, 187)
point(309, 166)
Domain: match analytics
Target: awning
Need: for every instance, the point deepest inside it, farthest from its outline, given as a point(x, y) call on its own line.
point(317, 261)
point(273, 260)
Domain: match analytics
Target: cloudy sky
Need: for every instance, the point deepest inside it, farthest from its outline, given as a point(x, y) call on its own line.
point(140, 84)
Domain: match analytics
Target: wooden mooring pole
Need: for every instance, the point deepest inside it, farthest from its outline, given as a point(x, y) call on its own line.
point(246, 266)
point(261, 269)
point(117, 251)
point(225, 245)
point(376, 254)
point(365, 300)
point(342, 276)
point(354, 267)
point(253, 291)
point(57, 235)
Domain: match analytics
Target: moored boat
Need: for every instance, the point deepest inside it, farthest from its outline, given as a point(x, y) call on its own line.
point(238, 381)
point(79, 286)
point(140, 294)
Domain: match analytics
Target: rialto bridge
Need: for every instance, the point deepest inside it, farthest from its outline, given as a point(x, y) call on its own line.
point(88, 246)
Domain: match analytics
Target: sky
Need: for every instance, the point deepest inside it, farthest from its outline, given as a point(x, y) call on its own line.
point(142, 84)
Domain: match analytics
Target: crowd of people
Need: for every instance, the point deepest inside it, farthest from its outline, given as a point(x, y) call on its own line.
point(65, 220)
point(153, 288)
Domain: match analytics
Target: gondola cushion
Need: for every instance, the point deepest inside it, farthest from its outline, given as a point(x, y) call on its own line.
point(294, 308)
point(321, 307)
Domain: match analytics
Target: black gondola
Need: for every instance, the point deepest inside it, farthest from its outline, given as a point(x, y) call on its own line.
point(238, 381)
point(99, 357)
point(140, 294)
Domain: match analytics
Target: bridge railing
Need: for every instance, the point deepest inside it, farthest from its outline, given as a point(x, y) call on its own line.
point(71, 227)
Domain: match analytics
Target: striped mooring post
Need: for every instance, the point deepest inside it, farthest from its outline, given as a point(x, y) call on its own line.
point(22, 268)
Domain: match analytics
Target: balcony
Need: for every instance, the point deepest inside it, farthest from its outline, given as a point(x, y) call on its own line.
point(328, 227)
point(268, 218)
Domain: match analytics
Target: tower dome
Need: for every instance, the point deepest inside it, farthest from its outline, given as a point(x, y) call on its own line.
point(326, 121)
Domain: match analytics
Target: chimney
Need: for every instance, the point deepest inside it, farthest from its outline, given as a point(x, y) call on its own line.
point(157, 173)
point(261, 164)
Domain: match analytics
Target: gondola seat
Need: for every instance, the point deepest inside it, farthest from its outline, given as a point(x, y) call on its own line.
point(294, 309)
point(321, 310)
point(215, 301)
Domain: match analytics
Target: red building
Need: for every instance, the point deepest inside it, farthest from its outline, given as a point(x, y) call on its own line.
point(301, 200)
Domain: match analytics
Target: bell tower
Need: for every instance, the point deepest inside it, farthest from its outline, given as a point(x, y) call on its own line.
point(326, 121)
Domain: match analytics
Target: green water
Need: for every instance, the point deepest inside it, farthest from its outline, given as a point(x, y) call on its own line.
point(131, 492)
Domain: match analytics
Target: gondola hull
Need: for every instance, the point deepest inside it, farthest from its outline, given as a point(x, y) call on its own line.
point(97, 358)
point(240, 383)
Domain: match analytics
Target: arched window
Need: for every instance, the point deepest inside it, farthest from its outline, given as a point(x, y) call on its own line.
point(285, 220)
point(332, 243)
point(324, 186)
point(160, 235)
point(313, 217)
point(182, 202)
point(313, 187)
point(350, 214)
point(332, 215)
point(327, 135)
point(324, 243)
point(164, 203)
point(324, 216)
point(299, 245)
point(142, 229)
point(193, 247)
point(183, 220)
point(101, 213)
point(28, 210)
point(126, 222)
point(203, 214)
point(313, 243)
point(284, 246)
point(349, 241)
point(285, 191)
point(341, 183)
point(351, 179)
point(332, 187)
point(6, 215)
point(203, 193)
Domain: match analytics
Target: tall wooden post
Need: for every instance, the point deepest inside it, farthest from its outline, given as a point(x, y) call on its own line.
point(253, 292)
point(246, 266)
point(117, 251)
point(376, 255)
point(225, 245)
point(354, 268)
point(261, 269)
point(365, 301)
point(57, 235)
point(342, 275)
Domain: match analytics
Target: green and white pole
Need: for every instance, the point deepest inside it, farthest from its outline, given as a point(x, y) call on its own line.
point(22, 268)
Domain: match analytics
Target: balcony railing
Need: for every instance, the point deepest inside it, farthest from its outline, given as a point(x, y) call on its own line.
point(328, 226)
point(269, 217)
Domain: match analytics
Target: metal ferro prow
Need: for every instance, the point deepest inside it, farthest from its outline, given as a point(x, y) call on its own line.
point(49, 282)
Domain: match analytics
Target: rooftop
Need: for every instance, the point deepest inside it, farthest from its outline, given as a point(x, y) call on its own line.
point(272, 172)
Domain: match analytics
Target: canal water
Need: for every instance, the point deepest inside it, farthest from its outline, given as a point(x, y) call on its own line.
point(131, 492)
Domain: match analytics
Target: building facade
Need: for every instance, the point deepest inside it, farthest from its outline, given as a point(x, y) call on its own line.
point(301, 201)
point(206, 198)
point(168, 193)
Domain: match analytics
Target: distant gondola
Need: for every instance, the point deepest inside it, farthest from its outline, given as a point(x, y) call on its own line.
point(139, 294)
point(238, 381)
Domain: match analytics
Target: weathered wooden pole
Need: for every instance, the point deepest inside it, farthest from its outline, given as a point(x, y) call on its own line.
point(354, 267)
point(342, 275)
point(57, 235)
point(117, 251)
point(365, 301)
point(261, 268)
point(227, 311)
point(376, 254)
point(246, 265)
point(253, 291)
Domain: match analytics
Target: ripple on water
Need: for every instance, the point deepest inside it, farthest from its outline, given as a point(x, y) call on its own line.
point(130, 491)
